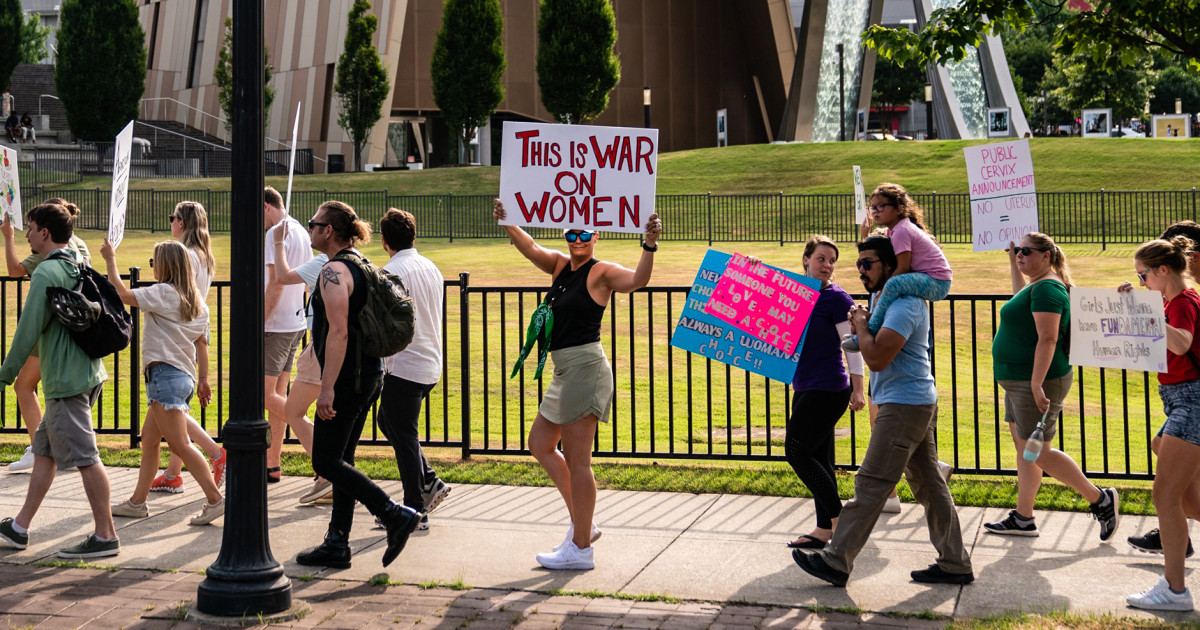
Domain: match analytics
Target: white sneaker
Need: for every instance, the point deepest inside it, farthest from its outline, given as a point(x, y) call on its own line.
point(892, 505)
point(568, 557)
point(945, 470)
point(320, 489)
point(23, 464)
point(1161, 597)
point(596, 533)
point(209, 513)
point(130, 509)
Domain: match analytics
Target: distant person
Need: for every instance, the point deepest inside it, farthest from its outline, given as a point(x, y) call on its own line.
point(7, 104)
point(12, 128)
point(1162, 266)
point(28, 133)
point(71, 381)
point(903, 440)
point(413, 372)
point(26, 384)
point(1029, 357)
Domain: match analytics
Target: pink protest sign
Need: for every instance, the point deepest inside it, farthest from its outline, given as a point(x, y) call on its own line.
point(764, 302)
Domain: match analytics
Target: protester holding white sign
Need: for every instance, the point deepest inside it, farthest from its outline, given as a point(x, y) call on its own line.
point(578, 176)
point(1003, 196)
point(1161, 266)
point(1030, 362)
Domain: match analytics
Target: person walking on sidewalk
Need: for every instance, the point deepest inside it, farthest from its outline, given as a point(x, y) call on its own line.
point(413, 372)
point(25, 387)
point(903, 440)
point(350, 384)
point(71, 381)
point(189, 225)
point(175, 326)
point(1029, 355)
point(580, 394)
point(1162, 266)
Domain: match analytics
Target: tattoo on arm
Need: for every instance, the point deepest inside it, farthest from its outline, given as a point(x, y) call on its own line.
point(329, 276)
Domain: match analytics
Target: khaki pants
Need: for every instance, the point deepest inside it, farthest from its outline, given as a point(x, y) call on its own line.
point(902, 442)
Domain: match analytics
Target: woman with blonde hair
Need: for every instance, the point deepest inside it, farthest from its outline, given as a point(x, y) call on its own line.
point(1029, 360)
point(189, 226)
point(176, 321)
point(1163, 266)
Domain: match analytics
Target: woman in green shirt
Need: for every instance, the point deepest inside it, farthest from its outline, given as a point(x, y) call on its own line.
point(1029, 360)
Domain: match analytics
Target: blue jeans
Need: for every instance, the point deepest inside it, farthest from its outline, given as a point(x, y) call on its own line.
point(1181, 402)
point(169, 386)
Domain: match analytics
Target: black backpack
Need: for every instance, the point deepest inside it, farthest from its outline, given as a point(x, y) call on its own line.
point(92, 312)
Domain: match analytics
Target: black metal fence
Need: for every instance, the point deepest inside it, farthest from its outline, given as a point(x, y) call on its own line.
point(673, 404)
point(1095, 217)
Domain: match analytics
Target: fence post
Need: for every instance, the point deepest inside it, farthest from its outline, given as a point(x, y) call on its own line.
point(135, 362)
point(781, 218)
point(450, 213)
point(1193, 203)
point(709, 221)
point(464, 362)
point(36, 170)
point(933, 215)
point(1103, 231)
point(152, 230)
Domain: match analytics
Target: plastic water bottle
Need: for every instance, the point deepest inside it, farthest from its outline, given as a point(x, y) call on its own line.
point(1033, 446)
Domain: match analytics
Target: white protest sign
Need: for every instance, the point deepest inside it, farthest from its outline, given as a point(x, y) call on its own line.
point(287, 203)
point(10, 186)
point(122, 150)
point(578, 176)
point(1110, 329)
point(1003, 198)
point(860, 198)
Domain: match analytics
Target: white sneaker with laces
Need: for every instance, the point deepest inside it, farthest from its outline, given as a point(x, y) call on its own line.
point(23, 464)
point(209, 513)
point(945, 470)
point(596, 533)
point(892, 505)
point(1161, 597)
point(569, 558)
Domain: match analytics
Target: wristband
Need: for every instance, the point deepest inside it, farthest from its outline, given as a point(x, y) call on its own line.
point(279, 242)
point(649, 248)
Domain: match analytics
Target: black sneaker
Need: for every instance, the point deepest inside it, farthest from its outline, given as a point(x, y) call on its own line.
point(20, 541)
point(1150, 543)
point(814, 565)
point(1012, 526)
point(935, 575)
point(91, 547)
point(1109, 514)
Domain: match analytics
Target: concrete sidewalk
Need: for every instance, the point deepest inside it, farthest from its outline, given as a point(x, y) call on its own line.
point(699, 548)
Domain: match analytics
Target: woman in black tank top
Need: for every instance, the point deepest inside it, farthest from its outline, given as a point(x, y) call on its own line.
point(581, 390)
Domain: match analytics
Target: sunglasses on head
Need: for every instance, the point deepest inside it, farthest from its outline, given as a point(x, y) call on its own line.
point(865, 263)
point(583, 237)
point(1027, 251)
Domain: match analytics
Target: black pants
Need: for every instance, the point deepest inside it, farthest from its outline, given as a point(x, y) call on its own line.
point(809, 447)
point(399, 412)
point(334, 443)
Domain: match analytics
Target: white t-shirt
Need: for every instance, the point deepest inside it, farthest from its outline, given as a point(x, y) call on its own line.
point(202, 277)
point(309, 272)
point(288, 315)
point(165, 337)
point(421, 361)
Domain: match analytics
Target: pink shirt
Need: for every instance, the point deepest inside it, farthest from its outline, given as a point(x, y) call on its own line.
point(927, 257)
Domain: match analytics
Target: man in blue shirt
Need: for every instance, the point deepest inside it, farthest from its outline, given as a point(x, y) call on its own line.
point(902, 441)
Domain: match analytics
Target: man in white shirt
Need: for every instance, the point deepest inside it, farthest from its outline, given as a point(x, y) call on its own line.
point(413, 372)
point(284, 320)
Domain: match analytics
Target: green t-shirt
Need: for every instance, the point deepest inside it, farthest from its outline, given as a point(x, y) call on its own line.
point(1016, 338)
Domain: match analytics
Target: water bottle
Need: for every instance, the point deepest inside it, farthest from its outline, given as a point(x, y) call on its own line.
point(1033, 446)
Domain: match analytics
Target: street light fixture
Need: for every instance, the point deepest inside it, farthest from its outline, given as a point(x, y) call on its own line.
point(1178, 106)
point(646, 106)
point(928, 111)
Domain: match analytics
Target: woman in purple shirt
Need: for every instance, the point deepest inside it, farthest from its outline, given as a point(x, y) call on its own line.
point(823, 390)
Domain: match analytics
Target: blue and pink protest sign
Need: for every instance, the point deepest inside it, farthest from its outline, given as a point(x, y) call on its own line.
point(709, 336)
point(763, 301)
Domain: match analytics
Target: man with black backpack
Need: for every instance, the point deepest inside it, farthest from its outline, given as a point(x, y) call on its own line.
point(71, 381)
point(351, 379)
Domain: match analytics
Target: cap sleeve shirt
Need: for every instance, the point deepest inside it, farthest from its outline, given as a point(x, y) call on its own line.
point(1183, 312)
point(820, 367)
point(288, 315)
point(165, 337)
point(1017, 337)
point(927, 257)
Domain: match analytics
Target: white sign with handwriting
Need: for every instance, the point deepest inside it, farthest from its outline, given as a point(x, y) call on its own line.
point(1110, 329)
point(122, 151)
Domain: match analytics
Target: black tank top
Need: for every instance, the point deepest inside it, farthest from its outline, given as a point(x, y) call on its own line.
point(576, 315)
point(353, 365)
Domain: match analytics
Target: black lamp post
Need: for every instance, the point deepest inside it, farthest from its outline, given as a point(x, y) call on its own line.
point(928, 111)
point(646, 106)
point(841, 52)
point(245, 580)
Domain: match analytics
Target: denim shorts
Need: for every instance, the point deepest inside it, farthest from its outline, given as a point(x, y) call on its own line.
point(1181, 403)
point(169, 386)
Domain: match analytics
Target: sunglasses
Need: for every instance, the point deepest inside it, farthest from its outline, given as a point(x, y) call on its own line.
point(151, 263)
point(582, 237)
point(1142, 274)
point(864, 264)
point(313, 224)
point(1027, 251)
point(173, 218)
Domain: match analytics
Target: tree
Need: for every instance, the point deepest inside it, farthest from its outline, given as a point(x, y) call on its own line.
point(362, 84)
point(223, 74)
point(1114, 33)
point(896, 85)
point(11, 21)
point(576, 65)
point(468, 61)
point(1174, 82)
point(33, 39)
point(1076, 83)
point(101, 69)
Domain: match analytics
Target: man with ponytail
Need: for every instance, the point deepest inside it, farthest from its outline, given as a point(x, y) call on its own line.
point(350, 384)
